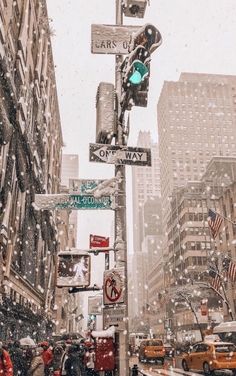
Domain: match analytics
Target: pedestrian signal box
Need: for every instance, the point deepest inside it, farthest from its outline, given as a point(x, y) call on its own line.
point(73, 268)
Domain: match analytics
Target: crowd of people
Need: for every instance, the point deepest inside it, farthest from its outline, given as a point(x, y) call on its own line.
point(45, 359)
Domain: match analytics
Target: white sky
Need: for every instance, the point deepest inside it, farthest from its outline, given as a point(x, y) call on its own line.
point(198, 36)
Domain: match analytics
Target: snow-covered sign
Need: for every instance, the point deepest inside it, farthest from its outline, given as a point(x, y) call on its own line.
point(72, 202)
point(115, 154)
point(83, 186)
point(111, 39)
point(73, 268)
point(114, 316)
point(95, 305)
point(113, 286)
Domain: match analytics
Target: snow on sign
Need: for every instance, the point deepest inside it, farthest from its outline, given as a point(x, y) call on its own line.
point(113, 286)
point(71, 202)
point(114, 317)
point(111, 39)
point(83, 186)
point(115, 154)
point(95, 305)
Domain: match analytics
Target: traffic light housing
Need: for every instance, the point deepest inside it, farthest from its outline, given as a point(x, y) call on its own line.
point(105, 113)
point(134, 8)
point(136, 67)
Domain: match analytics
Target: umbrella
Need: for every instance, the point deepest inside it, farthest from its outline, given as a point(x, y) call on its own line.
point(27, 342)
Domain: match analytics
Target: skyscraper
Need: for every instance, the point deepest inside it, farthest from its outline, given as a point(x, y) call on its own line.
point(196, 121)
point(70, 170)
point(146, 185)
point(146, 188)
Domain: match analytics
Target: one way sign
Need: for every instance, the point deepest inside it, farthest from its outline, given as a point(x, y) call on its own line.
point(119, 155)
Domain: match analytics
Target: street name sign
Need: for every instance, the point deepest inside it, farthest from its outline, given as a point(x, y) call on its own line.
point(71, 202)
point(111, 39)
point(114, 316)
point(115, 154)
point(83, 186)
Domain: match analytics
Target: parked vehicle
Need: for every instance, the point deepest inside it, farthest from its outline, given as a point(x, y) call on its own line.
point(210, 356)
point(134, 341)
point(226, 331)
point(152, 349)
point(169, 350)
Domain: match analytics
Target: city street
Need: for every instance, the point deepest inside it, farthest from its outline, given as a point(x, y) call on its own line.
point(170, 368)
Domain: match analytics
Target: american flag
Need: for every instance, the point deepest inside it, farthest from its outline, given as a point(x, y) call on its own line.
point(216, 283)
point(230, 268)
point(214, 222)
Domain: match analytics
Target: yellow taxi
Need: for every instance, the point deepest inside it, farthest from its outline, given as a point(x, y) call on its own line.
point(210, 356)
point(152, 349)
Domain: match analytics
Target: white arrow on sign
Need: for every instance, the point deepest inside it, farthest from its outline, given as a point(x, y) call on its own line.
point(111, 156)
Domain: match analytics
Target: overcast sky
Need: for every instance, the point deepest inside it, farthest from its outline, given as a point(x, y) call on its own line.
point(198, 36)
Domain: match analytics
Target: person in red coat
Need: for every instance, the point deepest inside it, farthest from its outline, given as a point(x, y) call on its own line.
point(6, 367)
point(47, 356)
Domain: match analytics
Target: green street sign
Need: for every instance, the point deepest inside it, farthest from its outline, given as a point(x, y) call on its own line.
point(71, 201)
point(86, 202)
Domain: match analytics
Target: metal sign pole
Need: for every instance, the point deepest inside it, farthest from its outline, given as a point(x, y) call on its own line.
point(120, 212)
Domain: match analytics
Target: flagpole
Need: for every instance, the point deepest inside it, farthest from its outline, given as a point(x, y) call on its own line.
point(227, 219)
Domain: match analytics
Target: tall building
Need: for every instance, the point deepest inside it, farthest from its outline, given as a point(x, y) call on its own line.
point(70, 171)
point(30, 162)
point(146, 184)
point(146, 190)
point(196, 121)
point(66, 309)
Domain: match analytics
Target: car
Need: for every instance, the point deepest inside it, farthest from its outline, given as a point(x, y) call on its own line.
point(210, 356)
point(169, 350)
point(152, 349)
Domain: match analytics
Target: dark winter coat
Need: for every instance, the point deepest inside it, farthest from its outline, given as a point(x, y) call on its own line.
point(18, 361)
point(74, 365)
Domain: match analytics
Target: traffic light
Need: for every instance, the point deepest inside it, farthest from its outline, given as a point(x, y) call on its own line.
point(106, 115)
point(136, 67)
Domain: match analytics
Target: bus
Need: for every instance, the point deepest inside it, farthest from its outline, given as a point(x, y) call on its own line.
point(226, 331)
point(134, 341)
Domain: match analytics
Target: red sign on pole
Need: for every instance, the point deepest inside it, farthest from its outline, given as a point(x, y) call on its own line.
point(96, 241)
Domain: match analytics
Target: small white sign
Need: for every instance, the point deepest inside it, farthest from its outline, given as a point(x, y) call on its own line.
point(95, 305)
point(111, 39)
point(114, 317)
point(115, 154)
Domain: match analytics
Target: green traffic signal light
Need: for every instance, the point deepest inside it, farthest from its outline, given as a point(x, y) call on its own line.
point(139, 73)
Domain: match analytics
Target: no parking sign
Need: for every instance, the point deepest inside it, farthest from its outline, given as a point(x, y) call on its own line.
point(113, 289)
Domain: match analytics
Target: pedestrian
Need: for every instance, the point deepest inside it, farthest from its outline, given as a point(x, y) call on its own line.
point(58, 352)
point(18, 359)
point(90, 362)
point(6, 368)
point(47, 356)
point(72, 367)
point(81, 353)
point(37, 364)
